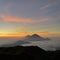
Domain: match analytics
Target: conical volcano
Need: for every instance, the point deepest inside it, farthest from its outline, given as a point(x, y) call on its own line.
point(34, 37)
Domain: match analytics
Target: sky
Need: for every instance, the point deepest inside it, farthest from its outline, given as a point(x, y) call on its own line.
point(22, 17)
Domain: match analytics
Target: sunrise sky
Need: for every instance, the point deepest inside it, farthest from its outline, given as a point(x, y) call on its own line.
point(22, 17)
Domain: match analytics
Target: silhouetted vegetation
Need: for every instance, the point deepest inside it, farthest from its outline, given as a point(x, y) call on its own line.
point(28, 53)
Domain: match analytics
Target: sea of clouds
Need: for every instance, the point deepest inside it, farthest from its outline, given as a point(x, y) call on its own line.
point(52, 44)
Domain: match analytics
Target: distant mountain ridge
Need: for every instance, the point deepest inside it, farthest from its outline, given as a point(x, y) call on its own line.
point(26, 40)
point(34, 37)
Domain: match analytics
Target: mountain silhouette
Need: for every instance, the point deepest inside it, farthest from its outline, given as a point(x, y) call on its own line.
point(26, 40)
point(28, 36)
point(19, 42)
point(28, 53)
point(34, 37)
point(24, 53)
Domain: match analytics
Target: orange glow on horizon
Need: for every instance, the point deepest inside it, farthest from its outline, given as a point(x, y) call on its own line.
point(19, 35)
point(16, 35)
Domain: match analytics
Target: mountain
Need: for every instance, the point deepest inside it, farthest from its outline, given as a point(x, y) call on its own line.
point(34, 37)
point(27, 36)
point(25, 40)
point(23, 53)
point(16, 43)
point(28, 53)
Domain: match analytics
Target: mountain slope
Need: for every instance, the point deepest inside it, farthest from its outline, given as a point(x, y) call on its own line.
point(28, 53)
point(34, 37)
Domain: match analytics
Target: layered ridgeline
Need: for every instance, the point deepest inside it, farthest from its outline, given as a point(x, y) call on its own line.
point(35, 37)
point(25, 40)
point(28, 52)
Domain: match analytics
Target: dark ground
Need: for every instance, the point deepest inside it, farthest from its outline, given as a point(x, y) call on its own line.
point(28, 53)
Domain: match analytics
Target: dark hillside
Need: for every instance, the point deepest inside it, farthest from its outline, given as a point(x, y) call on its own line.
point(28, 53)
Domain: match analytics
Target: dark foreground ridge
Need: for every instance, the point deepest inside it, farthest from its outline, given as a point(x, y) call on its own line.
point(28, 53)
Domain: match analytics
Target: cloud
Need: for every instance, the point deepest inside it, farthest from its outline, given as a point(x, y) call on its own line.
point(48, 5)
point(22, 20)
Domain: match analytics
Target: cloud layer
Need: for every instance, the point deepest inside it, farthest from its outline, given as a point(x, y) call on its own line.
point(23, 20)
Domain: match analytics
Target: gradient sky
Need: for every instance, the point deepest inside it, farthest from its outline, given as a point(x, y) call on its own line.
point(22, 17)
